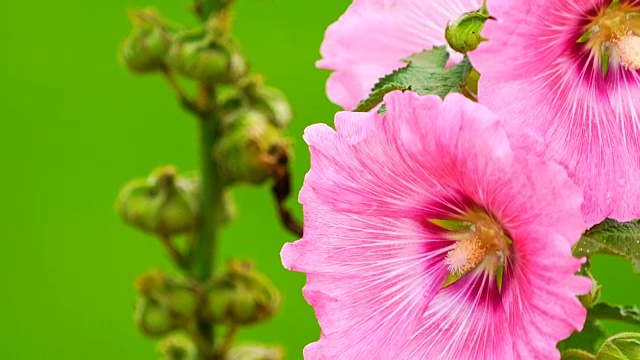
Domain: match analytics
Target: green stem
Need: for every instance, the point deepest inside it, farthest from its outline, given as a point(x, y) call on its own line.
point(203, 253)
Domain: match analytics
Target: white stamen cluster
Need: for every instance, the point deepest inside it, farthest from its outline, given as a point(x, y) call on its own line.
point(629, 51)
point(466, 255)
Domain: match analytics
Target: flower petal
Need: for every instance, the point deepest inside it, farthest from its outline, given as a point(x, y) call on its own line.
point(547, 87)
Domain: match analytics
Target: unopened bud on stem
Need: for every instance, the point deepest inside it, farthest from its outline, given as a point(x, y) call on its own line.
point(177, 347)
point(196, 56)
point(145, 48)
point(271, 102)
point(463, 35)
point(250, 149)
point(165, 204)
point(165, 304)
point(241, 296)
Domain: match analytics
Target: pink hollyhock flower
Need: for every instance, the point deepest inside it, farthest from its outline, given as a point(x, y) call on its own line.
point(372, 36)
point(567, 72)
point(395, 204)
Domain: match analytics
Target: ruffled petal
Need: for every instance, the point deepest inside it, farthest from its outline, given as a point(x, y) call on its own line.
point(546, 88)
point(367, 276)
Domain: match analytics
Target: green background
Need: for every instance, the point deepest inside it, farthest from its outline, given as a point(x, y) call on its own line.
point(75, 126)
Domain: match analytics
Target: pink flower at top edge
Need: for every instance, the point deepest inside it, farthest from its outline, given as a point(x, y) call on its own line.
point(372, 36)
point(542, 71)
point(382, 192)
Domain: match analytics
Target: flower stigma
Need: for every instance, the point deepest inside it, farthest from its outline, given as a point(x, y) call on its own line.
point(613, 34)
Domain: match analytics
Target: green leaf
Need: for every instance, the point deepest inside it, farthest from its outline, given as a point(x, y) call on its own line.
point(624, 346)
point(377, 95)
point(628, 314)
point(589, 339)
point(425, 74)
point(612, 238)
point(575, 354)
point(461, 70)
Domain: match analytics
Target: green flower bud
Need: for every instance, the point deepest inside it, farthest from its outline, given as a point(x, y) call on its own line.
point(272, 102)
point(250, 149)
point(145, 48)
point(177, 347)
point(255, 352)
point(153, 319)
point(177, 298)
point(463, 35)
point(241, 296)
point(164, 204)
point(197, 57)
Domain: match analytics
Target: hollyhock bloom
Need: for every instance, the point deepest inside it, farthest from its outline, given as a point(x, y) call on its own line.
point(396, 204)
point(565, 76)
point(372, 36)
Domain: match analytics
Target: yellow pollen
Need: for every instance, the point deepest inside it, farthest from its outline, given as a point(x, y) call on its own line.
point(629, 51)
point(466, 255)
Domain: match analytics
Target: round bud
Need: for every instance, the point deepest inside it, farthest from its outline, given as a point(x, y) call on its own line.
point(153, 319)
point(164, 204)
point(241, 296)
point(177, 347)
point(463, 35)
point(250, 149)
point(197, 57)
point(145, 48)
point(176, 297)
point(271, 102)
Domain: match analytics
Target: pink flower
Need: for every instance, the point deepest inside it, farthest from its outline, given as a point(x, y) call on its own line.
point(372, 36)
point(543, 70)
point(382, 192)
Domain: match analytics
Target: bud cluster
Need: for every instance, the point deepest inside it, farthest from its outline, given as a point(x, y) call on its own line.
point(203, 54)
point(243, 124)
point(238, 296)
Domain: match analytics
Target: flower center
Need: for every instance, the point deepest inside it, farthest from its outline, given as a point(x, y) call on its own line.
point(480, 243)
point(613, 34)
point(480, 240)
